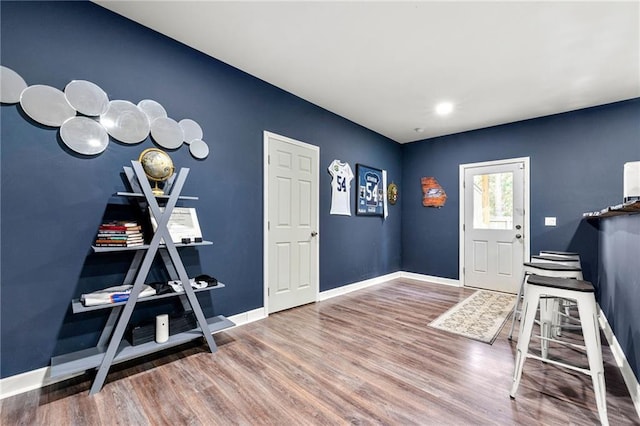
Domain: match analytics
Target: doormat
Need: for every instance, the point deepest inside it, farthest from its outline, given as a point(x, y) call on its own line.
point(480, 316)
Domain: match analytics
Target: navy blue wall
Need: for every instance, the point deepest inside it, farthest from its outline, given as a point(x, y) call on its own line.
point(53, 201)
point(577, 162)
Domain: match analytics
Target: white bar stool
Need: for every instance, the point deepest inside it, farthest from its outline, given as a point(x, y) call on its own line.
point(546, 269)
point(539, 287)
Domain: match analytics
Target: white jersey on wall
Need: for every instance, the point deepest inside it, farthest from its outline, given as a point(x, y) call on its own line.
point(340, 187)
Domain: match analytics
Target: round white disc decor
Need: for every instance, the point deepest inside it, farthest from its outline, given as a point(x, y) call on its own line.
point(199, 149)
point(167, 133)
point(86, 97)
point(84, 135)
point(125, 122)
point(46, 105)
point(11, 86)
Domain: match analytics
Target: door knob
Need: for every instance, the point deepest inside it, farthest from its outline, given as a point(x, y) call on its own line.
point(314, 233)
point(518, 226)
point(518, 236)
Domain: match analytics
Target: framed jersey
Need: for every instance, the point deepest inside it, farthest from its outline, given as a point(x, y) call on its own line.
point(340, 187)
point(370, 191)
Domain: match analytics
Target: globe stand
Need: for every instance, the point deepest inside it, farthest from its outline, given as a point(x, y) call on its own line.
point(156, 190)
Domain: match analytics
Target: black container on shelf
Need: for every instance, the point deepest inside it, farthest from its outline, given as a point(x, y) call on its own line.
point(146, 332)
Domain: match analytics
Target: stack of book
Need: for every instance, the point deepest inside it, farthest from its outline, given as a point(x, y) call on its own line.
point(119, 234)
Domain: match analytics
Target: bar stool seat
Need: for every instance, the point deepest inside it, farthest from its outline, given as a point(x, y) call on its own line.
point(564, 254)
point(538, 289)
point(550, 269)
point(561, 260)
point(575, 285)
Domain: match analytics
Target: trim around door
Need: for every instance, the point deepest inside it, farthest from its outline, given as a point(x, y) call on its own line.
point(527, 207)
point(265, 213)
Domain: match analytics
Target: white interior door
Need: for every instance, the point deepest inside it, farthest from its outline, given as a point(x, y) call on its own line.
point(495, 235)
point(291, 252)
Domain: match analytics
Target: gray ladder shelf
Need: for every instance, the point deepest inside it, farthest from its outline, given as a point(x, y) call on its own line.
point(111, 347)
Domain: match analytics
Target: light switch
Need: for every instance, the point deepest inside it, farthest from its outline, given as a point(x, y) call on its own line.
point(549, 221)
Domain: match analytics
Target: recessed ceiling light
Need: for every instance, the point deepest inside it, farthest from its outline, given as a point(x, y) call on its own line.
point(419, 129)
point(444, 108)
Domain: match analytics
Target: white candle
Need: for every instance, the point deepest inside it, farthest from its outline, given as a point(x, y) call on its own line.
point(162, 328)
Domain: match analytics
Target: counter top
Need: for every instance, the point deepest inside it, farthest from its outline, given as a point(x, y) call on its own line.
point(627, 208)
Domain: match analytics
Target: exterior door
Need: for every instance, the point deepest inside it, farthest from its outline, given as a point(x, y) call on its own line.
point(292, 223)
point(494, 224)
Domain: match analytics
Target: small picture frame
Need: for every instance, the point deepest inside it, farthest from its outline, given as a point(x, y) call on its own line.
point(370, 197)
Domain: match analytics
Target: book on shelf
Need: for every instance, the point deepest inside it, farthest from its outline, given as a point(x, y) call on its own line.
point(118, 240)
point(119, 244)
point(119, 235)
point(119, 232)
point(124, 223)
point(136, 228)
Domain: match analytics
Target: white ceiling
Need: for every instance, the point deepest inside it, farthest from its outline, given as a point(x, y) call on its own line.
point(385, 65)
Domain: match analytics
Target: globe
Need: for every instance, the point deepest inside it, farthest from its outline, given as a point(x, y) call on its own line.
point(157, 165)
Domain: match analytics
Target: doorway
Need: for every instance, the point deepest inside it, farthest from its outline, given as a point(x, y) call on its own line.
point(291, 214)
point(494, 223)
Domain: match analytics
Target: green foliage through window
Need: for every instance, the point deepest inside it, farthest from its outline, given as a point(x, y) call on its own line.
point(493, 201)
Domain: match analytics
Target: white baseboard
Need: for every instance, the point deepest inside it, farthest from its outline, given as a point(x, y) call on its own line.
point(345, 289)
point(25, 382)
point(430, 279)
point(247, 317)
point(621, 361)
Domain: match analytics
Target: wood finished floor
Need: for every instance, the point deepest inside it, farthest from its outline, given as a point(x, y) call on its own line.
point(364, 358)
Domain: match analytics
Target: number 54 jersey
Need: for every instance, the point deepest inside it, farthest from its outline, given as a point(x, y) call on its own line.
point(340, 187)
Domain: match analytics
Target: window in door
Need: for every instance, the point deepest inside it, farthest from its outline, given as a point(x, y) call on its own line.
point(493, 201)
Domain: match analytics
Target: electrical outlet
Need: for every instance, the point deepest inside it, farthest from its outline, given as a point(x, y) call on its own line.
point(549, 221)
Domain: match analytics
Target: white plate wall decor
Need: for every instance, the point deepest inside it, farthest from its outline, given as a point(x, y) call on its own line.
point(11, 86)
point(46, 105)
point(86, 97)
point(167, 133)
point(152, 109)
point(199, 149)
point(191, 130)
point(125, 122)
point(84, 135)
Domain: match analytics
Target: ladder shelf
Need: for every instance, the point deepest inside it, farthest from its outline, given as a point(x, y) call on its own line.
point(112, 348)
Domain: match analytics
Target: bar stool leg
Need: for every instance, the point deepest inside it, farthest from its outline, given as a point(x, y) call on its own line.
point(591, 333)
point(515, 308)
point(529, 308)
point(561, 305)
point(547, 313)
